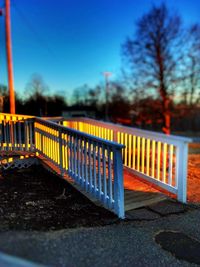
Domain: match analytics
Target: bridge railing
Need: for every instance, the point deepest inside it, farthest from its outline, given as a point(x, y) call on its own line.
point(158, 158)
point(92, 162)
point(16, 133)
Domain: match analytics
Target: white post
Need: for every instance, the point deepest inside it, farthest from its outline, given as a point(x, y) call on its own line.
point(118, 183)
point(182, 163)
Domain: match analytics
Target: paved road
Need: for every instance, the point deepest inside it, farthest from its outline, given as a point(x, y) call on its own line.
point(125, 244)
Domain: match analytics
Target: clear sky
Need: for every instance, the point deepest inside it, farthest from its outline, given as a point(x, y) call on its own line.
point(71, 42)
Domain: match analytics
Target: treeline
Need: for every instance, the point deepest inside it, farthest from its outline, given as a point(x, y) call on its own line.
point(36, 100)
point(125, 106)
point(133, 108)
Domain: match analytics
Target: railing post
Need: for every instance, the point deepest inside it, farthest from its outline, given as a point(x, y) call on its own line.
point(60, 152)
point(115, 135)
point(31, 123)
point(118, 183)
point(26, 139)
point(182, 163)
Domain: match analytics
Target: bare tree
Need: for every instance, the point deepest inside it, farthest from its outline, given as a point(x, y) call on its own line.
point(192, 64)
point(153, 56)
point(35, 97)
point(36, 87)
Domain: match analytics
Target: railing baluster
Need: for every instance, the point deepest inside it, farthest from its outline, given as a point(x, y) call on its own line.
point(104, 173)
point(99, 171)
point(31, 135)
point(71, 156)
point(164, 162)
point(125, 149)
point(78, 159)
point(86, 162)
point(94, 167)
point(6, 136)
point(82, 162)
point(15, 136)
point(148, 157)
point(75, 155)
point(68, 153)
point(158, 160)
point(61, 152)
point(129, 150)
point(170, 163)
point(153, 159)
point(90, 165)
point(143, 150)
point(110, 178)
point(134, 151)
point(138, 153)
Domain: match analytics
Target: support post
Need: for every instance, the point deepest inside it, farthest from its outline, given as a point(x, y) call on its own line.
point(182, 163)
point(118, 183)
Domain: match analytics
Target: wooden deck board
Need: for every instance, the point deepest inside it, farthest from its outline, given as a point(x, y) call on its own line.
point(139, 193)
point(137, 199)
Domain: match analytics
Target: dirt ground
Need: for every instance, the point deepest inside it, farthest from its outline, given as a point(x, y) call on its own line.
point(194, 178)
point(32, 199)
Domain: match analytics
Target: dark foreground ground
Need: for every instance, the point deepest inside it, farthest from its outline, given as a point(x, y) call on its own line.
point(33, 199)
point(39, 224)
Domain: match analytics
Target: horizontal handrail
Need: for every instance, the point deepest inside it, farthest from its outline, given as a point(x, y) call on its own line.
point(14, 117)
point(143, 133)
point(83, 134)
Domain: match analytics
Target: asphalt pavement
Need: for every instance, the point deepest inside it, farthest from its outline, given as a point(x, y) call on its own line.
point(126, 243)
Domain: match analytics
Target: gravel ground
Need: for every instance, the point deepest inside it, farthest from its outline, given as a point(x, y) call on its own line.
point(35, 199)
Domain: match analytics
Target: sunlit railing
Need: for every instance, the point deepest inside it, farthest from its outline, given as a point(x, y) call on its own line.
point(158, 158)
point(16, 133)
point(93, 163)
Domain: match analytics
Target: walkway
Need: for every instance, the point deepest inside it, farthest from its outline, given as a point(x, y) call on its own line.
point(93, 156)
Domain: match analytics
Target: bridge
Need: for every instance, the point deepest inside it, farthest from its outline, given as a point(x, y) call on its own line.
point(118, 167)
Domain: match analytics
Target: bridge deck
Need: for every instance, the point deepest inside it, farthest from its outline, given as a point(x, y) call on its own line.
point(137, 193)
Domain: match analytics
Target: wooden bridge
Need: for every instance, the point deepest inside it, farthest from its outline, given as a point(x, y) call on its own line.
point(102, 160)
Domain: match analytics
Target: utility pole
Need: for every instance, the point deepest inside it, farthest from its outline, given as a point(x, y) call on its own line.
point(106, 75)
point(9, 57)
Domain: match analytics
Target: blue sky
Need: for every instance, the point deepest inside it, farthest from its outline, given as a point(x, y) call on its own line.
point(71, 42)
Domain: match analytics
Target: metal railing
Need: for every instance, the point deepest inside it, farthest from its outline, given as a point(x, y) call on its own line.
point(158, 158)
